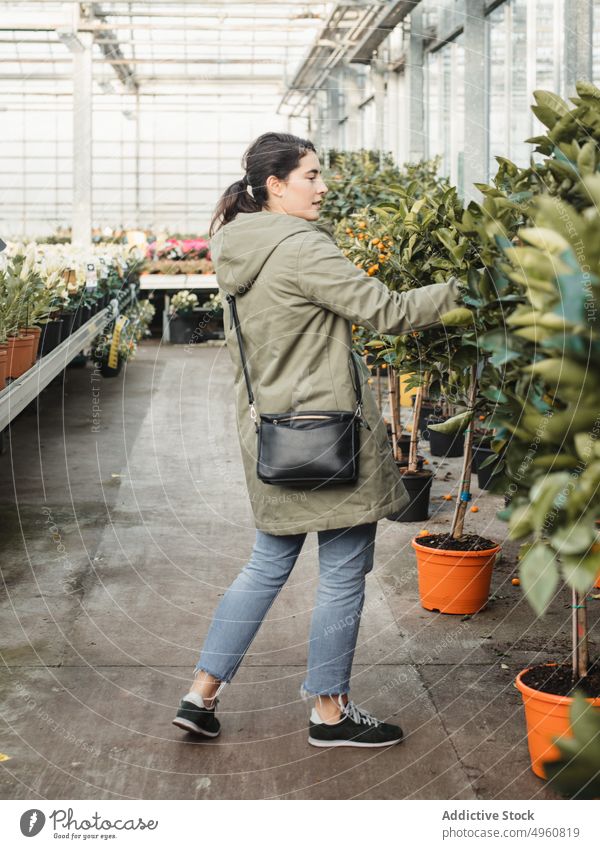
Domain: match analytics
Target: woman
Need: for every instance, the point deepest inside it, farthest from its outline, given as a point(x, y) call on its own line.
point(297, 297)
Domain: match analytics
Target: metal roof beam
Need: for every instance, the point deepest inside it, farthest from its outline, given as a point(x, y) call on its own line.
point(113, 52)
point(387, 21)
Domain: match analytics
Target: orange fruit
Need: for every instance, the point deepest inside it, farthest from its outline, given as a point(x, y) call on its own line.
point(447, 497)
point(516, 582)
point(474, 509)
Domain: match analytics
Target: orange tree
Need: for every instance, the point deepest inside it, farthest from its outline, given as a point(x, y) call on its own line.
point(412, 244)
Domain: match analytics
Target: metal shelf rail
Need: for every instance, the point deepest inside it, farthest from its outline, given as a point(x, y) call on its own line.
point(25, 389)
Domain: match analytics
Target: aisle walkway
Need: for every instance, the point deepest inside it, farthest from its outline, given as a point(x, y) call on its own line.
point(115, 548)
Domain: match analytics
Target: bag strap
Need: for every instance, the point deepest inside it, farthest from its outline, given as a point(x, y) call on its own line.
point(235, 319)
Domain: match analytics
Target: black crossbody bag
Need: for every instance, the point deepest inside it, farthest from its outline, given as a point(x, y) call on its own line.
point(308, 448)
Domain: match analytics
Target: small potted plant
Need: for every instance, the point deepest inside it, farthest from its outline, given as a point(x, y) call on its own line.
point(183, 321)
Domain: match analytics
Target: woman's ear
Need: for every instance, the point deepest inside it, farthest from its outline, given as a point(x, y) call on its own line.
point(274, 186)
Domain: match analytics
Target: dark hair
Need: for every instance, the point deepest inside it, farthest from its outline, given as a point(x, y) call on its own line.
point(270, 154)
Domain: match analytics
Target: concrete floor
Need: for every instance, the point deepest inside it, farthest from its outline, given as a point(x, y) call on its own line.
point(115, 547)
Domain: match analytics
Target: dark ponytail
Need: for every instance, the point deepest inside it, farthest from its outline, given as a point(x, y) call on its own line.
point(274, 154)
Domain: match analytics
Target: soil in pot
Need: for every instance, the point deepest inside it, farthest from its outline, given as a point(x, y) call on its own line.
point(445, 444)
point(456, 578)
point(418, 486)
point(51, 336)
point(558, 680)
point(546, 712)
point(467, 542)
point(403, 463)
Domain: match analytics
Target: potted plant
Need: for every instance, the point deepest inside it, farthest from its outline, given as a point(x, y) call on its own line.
point(210, 315)
point(556, 496)
point(16, 280)
point(113, 348)
point(547, 398)
point(182, 321)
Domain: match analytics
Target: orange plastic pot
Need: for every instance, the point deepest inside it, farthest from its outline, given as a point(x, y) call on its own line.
point(19, 354)
point(454, 581)
point(547, 717)
point(34, 331)
point(3, 362)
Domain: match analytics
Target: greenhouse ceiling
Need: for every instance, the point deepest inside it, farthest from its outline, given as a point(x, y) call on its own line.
point(168, 47)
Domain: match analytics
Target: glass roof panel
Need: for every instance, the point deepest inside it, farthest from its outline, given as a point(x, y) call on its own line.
point(176, 40)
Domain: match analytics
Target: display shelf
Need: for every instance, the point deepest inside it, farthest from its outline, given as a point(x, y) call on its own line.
point(25, 389)
point(169, 282)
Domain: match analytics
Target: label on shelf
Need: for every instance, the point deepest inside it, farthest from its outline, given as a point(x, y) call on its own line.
point(91, 276)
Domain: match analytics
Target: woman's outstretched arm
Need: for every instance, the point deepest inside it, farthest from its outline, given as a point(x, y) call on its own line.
point(327, 278)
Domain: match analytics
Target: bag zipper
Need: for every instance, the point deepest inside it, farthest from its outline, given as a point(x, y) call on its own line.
point(289, 418)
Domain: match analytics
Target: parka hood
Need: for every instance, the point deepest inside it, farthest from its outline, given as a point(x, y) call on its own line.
point(239, 249)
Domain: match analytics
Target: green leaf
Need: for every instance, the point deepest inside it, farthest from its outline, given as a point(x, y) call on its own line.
point(539, 576)
point(580, 572)
point(577, 773)
point(520, 522)
point(457, 317)
point(496, 395)
point(573, 539)
point(546, 496)
point(454, 424)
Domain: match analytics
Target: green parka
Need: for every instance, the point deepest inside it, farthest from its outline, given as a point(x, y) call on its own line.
point(296, 322)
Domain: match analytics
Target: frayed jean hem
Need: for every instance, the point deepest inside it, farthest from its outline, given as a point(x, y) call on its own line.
point(214, 675)
point(306, 695)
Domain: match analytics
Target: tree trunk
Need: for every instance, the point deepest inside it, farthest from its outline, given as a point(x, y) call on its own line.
point(580, 631)
point(462, 501)
point(414, 436)
point(392, 396)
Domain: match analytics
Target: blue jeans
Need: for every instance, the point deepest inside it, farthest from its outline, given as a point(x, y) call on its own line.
point(345, 558)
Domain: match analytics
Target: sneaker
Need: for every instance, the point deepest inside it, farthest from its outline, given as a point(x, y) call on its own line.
point(197, 719)
point(357, 727)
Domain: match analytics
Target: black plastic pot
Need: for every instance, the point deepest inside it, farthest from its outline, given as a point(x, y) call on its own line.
point(428, 409)
point(68, 321)
point(86, 313)
point(484, 475)
point(481, 442)
point(78, 320)
point(210, 323)
point(107, 371)
point(445, 444)
point(419, 490)
point(403, 443)
point(181, 329)
point(51, 336)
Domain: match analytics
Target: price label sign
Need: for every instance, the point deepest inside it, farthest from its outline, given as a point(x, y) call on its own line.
point(91, 276)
